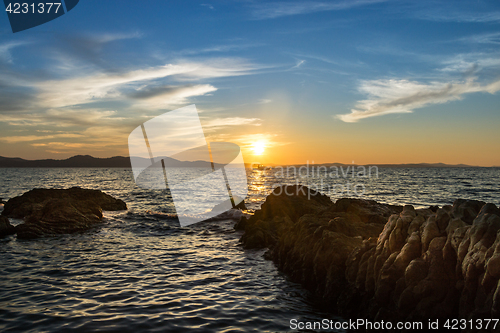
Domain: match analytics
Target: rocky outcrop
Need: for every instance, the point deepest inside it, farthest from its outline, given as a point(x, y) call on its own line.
point(424, 264)
point(59, 211)
point(382, 262)
point(5, 227)
point(309, 237)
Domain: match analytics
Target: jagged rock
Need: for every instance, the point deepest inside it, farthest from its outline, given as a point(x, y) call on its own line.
point(59, 211)
point(34, 200)
point(284, 206)
point(241, 224)
point(429, 264)
point(368, 211)
point(292, 201)
point(310, 237)
point(419, 264)
point(466, 210)
point(5, 227)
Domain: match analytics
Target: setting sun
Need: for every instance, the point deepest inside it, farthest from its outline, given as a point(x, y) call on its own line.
point(258, 147)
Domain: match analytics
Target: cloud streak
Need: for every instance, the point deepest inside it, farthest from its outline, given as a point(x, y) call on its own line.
point(404, 96)
point(31, 138)
point(487, 38)
point(101, 86)
point(163, 96)
point(217, 123)
point(217, 49)
point(88, 48)
point(5, 48)
point(273, 10)
point(450, 16)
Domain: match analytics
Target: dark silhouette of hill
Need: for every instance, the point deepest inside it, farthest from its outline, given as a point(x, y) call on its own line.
point(79, 161)
point(87, 161)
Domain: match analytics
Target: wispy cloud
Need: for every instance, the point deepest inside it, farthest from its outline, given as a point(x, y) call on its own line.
point(217, 49)
point(487, 38)
point(31, 138)
point(466, 73)
point(111, 86)
point(451, 15)
point(404, 96)
point(208, 6)
point(264, 101)
point(5, 49)
point(337, 66)
point(88, 49)
point(86, 108)
point(166, 95)
point(218, 123)
point(272, 10)
point(62, 117)
point(298, 64)
point(320, 58)
point(65, 147)
point(469, 63)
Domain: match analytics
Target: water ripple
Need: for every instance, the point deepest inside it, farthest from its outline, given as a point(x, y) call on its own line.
point(140, 271)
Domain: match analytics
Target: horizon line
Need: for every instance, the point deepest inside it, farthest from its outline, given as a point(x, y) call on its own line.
point(291, 164)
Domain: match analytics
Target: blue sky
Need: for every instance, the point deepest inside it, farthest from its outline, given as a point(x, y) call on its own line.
point(337, 81)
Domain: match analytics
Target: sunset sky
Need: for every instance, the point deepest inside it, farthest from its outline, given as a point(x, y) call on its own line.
point(368, 81)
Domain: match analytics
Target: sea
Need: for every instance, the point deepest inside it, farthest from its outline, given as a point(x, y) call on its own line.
point(140, 271)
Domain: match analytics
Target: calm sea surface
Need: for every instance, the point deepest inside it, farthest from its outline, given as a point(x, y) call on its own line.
point(140, 271)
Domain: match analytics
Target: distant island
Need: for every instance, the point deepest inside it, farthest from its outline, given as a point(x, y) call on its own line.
point(87, 161)
point(406, 165)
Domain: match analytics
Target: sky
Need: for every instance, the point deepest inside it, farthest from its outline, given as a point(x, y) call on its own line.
point(358, 81)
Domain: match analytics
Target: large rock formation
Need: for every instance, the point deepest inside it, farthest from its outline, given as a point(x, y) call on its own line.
point(424, 264)
point(310, 238)
point(59, 211)
point(383, 262)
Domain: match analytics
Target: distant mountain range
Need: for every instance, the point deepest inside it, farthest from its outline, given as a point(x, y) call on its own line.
point(87, 161)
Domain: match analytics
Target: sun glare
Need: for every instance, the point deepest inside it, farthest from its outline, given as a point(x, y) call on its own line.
point(258, 147)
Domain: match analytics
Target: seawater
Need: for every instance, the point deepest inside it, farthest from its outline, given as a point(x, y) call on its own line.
point(140, 271)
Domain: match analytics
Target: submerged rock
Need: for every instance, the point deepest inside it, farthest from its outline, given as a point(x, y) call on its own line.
point(5, 227)
point(59, 211)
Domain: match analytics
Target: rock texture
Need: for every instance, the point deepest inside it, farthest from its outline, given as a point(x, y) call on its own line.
point(5, 227)
point(383, 262)
point(310, 237)
point(424, 264)
point(59, 211)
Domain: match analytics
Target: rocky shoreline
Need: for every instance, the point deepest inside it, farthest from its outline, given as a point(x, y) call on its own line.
point(364, 259)
point(56, 211)
point(382, 262)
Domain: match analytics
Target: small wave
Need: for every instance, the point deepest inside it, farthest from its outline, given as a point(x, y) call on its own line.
point(232, 214)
